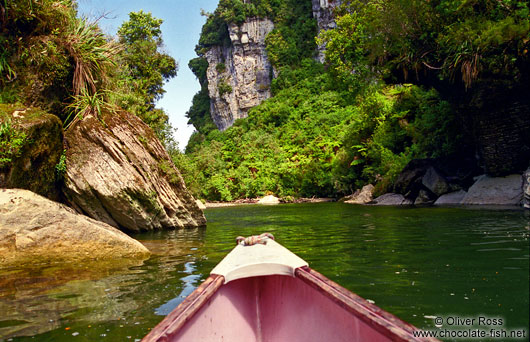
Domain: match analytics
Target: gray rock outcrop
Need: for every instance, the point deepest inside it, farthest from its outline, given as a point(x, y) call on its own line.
point(119, 173)
point(323, 13)
point(433, 181)
point(392, 199)
point(362, 196)
point(425, 197)
point(526, 189)
point(239, 75)
point(451, 198)
point(495, 191)
point(33, 228)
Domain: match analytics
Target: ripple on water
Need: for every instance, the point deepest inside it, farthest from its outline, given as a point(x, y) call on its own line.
point(407, 260)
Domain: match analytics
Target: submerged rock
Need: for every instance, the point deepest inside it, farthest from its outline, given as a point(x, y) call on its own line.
point(33, 228)
point(362, 196)
point(392, 199)
point(119, 173)
point(39, 148)
point(496, 191)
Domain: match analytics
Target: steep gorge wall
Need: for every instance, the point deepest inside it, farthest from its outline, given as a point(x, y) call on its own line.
point(323, 13)
point(239, 75)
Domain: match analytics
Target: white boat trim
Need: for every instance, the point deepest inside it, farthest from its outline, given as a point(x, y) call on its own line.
point(258, 260)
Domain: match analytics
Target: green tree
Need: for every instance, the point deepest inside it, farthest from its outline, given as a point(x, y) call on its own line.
point(429, 41)
point(145, 69)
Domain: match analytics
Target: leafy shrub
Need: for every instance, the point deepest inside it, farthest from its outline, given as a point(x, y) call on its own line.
point(311, 139)
point(12, 140)
point(223, 87)
point(220, 67)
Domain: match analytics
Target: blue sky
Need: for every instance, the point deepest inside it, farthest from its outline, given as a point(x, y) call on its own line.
point(180, 32)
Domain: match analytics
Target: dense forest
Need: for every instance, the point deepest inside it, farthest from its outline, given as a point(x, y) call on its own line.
point(401, 80)
point(52, 59)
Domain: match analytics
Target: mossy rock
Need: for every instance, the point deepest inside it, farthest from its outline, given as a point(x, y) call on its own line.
point(33, 167)
point(119, 173)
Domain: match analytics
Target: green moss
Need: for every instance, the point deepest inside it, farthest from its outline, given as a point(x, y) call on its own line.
point(169, 171)
point(39, 139)
point(148, 201)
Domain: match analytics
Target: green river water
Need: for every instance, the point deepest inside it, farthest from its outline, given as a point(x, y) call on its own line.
point(417, 263)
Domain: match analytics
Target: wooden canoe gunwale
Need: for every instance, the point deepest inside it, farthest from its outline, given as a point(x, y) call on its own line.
point(185, 311)
point(382, 321)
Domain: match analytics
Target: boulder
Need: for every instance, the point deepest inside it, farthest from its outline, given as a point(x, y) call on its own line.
point(392, 199)
point(270, 199)
point(118, 172)
point(526, 189)
point(496, 191)
point(436, 183)
point(363, 196)
point(409, 181)
point(30, 163)
point(451, 198)
point(425, 197)
point(33, 228)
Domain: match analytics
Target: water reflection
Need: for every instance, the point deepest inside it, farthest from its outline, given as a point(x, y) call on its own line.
point(415, 263)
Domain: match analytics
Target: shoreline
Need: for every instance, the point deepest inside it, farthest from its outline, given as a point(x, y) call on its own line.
point(252, 201)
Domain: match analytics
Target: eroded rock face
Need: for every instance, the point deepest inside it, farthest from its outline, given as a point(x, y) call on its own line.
point(34, 167)
point(392, 199)
point(120, 173)
point(451, 198)
point(239, 75)
point(323, 13)
point(33, 228)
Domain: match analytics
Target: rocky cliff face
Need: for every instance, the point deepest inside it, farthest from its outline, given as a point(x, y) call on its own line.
point(323, 13)
point(118, 172)
point(239, 75)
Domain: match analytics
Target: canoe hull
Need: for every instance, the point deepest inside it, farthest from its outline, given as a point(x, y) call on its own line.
point(307, 307)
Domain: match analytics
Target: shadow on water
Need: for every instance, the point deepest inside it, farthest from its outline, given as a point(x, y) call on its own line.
point(415, 263)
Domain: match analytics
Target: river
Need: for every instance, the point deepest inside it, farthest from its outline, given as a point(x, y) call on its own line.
point(417, 263)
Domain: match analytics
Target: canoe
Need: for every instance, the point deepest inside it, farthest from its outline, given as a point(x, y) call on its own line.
point(262, 292)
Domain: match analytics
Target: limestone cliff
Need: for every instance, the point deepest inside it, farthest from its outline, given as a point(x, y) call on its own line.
point(323, 13)
point(239, 75)
point(118, 172)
